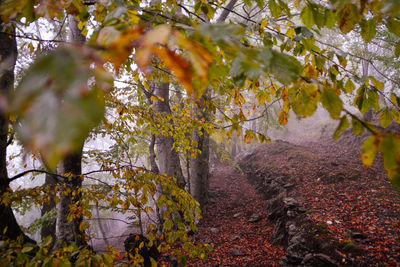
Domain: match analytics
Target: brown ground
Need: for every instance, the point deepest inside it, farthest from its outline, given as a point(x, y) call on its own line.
point(355, 205)
point(238, 242)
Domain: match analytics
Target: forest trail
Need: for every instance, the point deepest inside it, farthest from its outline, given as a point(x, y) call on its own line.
point(235, 223)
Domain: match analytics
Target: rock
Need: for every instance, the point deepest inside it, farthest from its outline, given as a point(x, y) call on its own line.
point(255, 217)
point(236, 252)
point(357, 235)
point(214, 230)
point(237, 215)
point(235, 237)
point(290, 202)
point(319, 260)
point(288, 185)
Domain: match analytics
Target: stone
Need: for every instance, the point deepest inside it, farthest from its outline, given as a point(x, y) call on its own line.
point(290, 202)
point(237, 215)
point(235, 237)
point(214, 230)
point(319, 259)
point(357, 235)
point(236, 252)
point(255, 217)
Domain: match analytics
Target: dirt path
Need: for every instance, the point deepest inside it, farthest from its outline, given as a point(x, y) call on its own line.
point(226, 227)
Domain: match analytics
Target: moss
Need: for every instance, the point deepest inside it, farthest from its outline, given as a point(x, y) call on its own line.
point(349, 247)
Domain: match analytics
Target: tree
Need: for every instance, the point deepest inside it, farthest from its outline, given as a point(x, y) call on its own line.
point(168, 158)
point(8, 54)
point(70, 230)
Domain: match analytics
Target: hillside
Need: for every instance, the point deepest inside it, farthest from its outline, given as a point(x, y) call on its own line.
point(357, 209)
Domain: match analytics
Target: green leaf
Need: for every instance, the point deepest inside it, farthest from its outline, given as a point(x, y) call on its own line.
point(318, 15)
point(330, 18)
point(343, 125)
point(332, 102)
point(303, 100)
point(64, 263)
point(349, 87)
point(107, 259)
point(27, 249)
point(360, 98)
point(260, 3)
point(168, 224)
point(370, 149)
point(47, 241)
point(307, 16)
point(348, 18)
point(385, 118)
point(390, 149)
point(274, 8)
point(285, 7)
point(395, 114)
point(56, 107)
point(368, 29)
point(393, 26)
point(357, 126)
point(285, 68)
point(397, 49)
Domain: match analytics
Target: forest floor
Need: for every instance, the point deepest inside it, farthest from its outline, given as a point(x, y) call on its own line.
point(357, 208)
point(235, 223)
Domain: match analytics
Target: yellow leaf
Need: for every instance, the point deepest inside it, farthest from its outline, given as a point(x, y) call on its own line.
point(379, 85)
point(264, 23)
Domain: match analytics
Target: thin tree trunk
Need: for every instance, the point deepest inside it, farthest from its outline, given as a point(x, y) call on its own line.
point(365, 69)
point(103, 233)
point(8, 56)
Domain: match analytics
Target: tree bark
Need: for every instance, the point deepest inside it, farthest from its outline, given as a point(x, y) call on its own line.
point(168, 159)
point(8, 56)
point(50, 228)
point(70, 232)
point(368, 116)
point(199, 165)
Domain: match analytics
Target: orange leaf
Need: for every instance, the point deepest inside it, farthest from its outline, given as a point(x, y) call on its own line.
point(178, 65)
point(121, 48)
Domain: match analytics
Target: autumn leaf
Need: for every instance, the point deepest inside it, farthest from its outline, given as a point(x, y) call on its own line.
point(348, 18)
point(158, 36)
point(119, 46)
point(178, 65)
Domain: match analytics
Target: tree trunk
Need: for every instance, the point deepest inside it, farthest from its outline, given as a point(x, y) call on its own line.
point(168, 159)
point(8, 56)
point(199, 165)
point(69, 231)
point(368, 116)
point(50, 227)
